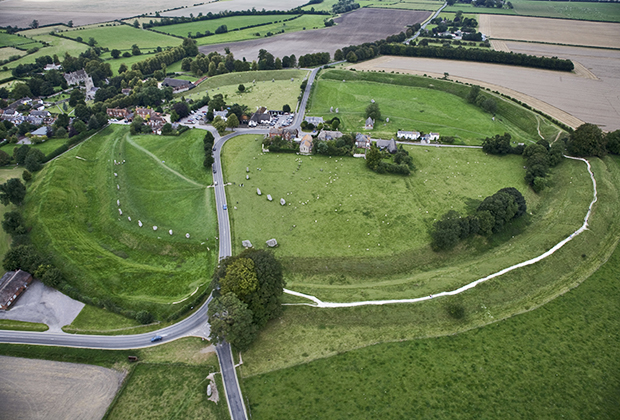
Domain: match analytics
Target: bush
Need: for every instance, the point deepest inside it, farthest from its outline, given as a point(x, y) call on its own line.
point(52, 277)
point(456, 311)
point(144, 317)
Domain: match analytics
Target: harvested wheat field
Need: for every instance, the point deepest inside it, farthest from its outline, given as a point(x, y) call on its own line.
point(363, 25)
point(39, 389)
point(567, 97)
point(556, 31)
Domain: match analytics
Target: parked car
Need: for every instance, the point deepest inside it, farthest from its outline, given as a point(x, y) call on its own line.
point(156, 338)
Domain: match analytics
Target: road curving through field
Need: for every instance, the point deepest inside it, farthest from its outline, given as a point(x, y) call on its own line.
point(320, 304)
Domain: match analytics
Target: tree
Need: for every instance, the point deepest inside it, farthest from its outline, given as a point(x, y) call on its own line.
point(265, 301)
point(219, 124)
point(209, 160)
point(351, 57)
point(91, 41)
point(5, 158)
point(135, 50)
point(338, 56)
point(144, 317)
point(12, 191)
point(136, 24)
point(52, 277)
point(278, 64)
point(446, 232)
point(75, 97)
point(232, 122)
point(373, 157)
point(93, 123)
point(241, 88)
point(122, 68)
point(13, 223)
point(115, 53)
point(473, 94)
point(19, 154)
point(489, 105)
point(79, 126)
point(34, 160)
point(502, 207)
point(373, 111)
point(231, 320)
point(586, 140)
point(240, 278)
point(26, 176)
point(136, 125)
point(613, 142)
point(181, 109)
point(208, 139)
point(34, 24)
point(70, 24)
point(166, 130)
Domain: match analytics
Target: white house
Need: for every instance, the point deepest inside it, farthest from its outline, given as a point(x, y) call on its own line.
point(408, 135)
point(305, 147)
point(369, 124)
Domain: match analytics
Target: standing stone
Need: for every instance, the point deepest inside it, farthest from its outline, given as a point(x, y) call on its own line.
point(258, 191)
point(272, 243)
point(246, 244)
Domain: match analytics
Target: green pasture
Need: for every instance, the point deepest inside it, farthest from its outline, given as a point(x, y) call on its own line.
point(128, 61)
point(167, 382)
point(232, 23)
point(72, 207)
point(9, 324)
point(271, 90)
point(23, 43)
point(439, 106)
point(304, 22)
point(303, 333)
point(122, 37)
point(8, 52)
point(46, 147)
point(559, 361)
point(405, 4)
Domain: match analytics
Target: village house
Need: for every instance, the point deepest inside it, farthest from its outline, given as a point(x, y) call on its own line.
point(76, 77)
point(49, 67)
point(177, 85)
point(427, 138)
point(305, 146)
point(362, 141)
point(326, 135)
point(408, 135)
point(151, 118)
point(370, 124)
point(12, 285)
point(314, 120)
point(119, 113)
point(389, 145)
point(287, 134)
point(260, 117)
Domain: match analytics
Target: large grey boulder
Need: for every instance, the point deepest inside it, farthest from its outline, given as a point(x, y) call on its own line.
point(272, 243)
point(246, 244)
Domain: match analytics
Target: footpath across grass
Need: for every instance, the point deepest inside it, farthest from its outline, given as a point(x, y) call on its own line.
point(559, 361)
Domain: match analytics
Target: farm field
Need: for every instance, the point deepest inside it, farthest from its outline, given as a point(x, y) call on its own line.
point(232, 23)
point(8, 52)
point(304, 334)
point(555, 31)
point(39, 388)
point(236, 5)
point(560, 359)
point(176, 369)
point(547, 91)
point(122, 37)
point(265, 92)
point(413, 108)
point(364, 25)
point(11, 40)
point(163, 183)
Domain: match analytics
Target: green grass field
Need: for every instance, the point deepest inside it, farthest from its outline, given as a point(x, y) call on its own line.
point(301, 23)
point(168, 382)
point(46, 147)
point(265, 92)
point(8, 324)
point(104, 254)
point(122, 37)
point(8, 52)
point(232, 23)
point(23, 43)
point(559, 361)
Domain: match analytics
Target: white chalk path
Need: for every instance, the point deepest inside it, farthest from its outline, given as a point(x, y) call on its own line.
point(320, 304)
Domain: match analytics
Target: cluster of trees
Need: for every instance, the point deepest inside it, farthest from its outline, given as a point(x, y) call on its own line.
point(501, 145)
point(539, 158)
point(490, 217)
point(163, 59)
point(214, 64)
point(313, 60)
point(208, 141)
point(247, 291)
point(278, 144)
point(482, 100)
point(344, 6)
point(343, 146)
point(465, 24)
point(589, 140)
point(401, 164)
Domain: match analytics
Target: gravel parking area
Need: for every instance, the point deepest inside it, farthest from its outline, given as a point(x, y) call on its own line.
point(46, 305)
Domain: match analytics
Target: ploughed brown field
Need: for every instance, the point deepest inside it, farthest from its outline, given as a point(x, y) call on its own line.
point(590, 94)
point(362, 25)
point(82, 12)
point(556, 31)
point(41, 389)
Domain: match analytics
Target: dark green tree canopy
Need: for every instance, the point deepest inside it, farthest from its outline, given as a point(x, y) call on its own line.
point(586, 140)
point(231, 320)
point(12, 191)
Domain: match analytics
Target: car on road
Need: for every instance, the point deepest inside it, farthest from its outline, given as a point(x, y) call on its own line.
point(214, 149)
point(156, 338)
point(214, 170)
point(225, 207)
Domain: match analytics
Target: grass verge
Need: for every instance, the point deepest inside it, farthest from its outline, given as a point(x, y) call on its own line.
point(9, 324)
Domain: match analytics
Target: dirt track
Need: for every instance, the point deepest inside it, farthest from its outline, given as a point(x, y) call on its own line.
point(39, 389)
point(568, 97)
point(559, 31)
point(363, 25)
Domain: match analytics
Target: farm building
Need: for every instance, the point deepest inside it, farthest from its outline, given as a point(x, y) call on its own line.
point(326, 135)
point(408, 135)
point(177, 85)
point(369, 124)
point(362, 141)
point(305, 147)
point(286, 133)
point(12, 285)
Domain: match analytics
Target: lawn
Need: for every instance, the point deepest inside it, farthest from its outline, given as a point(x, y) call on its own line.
point(271, 90)
point(596, 11)
point(122, 37)
point(46, 147)
point(414, 104)
point(232, 23)
point(72, 207)
point(168, 382)
point(559, 361)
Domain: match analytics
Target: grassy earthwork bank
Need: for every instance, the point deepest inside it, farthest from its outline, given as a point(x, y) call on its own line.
point(271, 88)
point(559, 361)
point(417, 103)
point(5, 239)
point(316, 265)
point(168, 381)
point(161, 182)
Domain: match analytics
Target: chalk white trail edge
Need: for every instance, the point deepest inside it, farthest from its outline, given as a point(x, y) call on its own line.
point(320, 304)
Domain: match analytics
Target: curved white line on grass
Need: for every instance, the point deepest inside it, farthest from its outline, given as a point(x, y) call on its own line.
point(183, 300)
point(584, 227)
